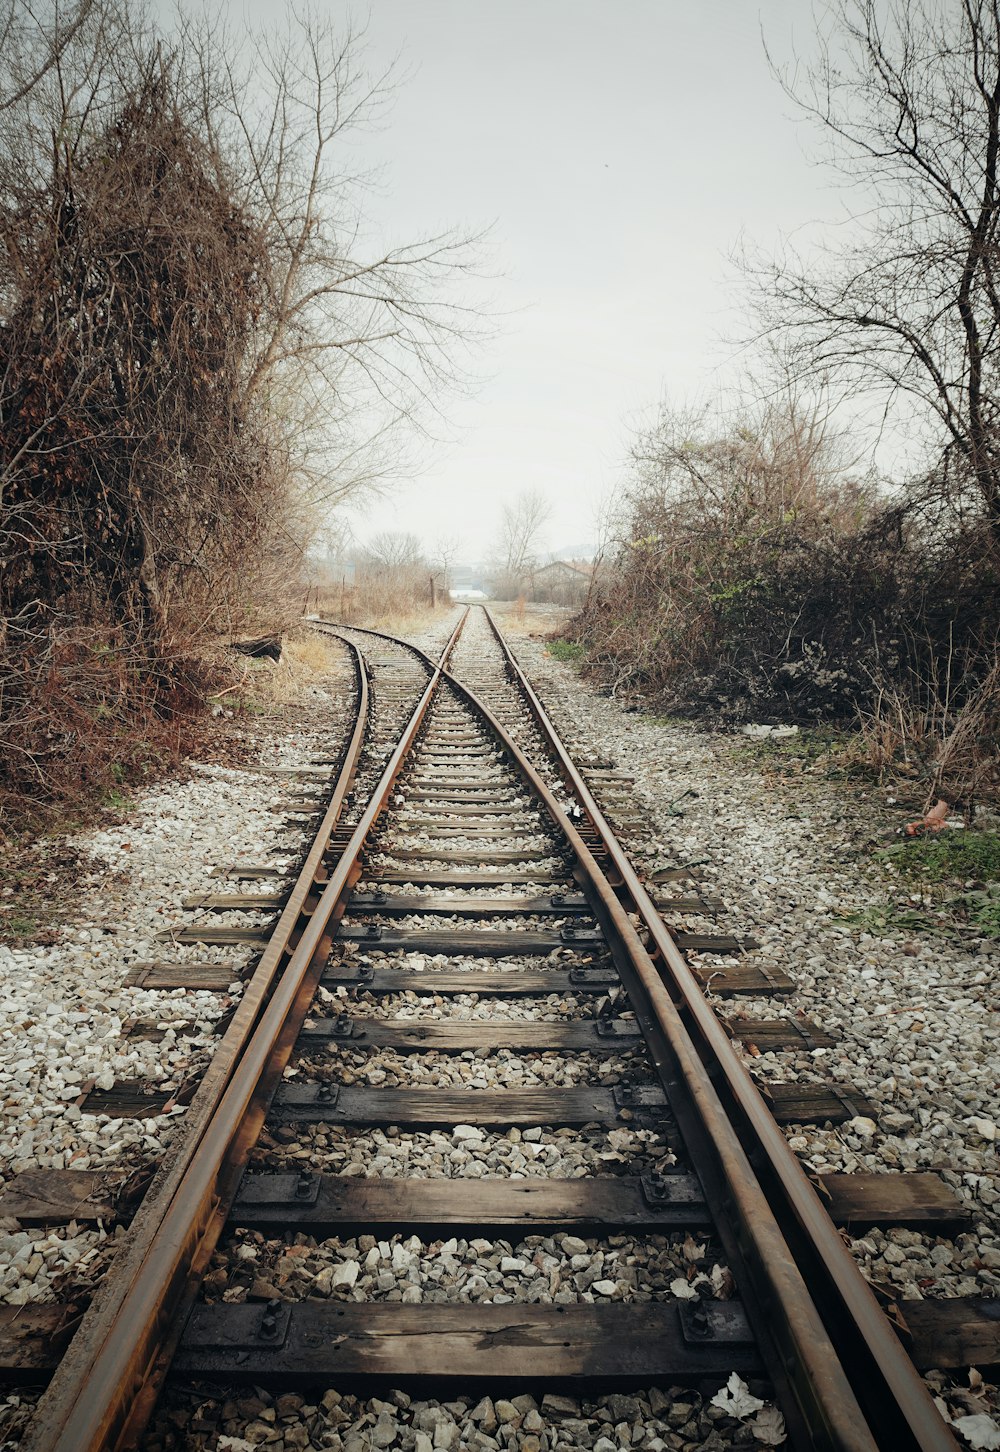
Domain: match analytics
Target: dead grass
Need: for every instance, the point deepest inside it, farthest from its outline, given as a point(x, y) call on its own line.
point(525, 618)
point(263, 687)
point(39, 890)
point(375, 607)
point(956, 752)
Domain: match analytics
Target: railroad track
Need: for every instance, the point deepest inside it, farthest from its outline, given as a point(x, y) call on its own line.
point(467, 918)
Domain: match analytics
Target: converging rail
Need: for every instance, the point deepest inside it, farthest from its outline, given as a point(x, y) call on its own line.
point(481, 863)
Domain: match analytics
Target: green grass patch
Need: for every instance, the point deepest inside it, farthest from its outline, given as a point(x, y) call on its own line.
point(981, 907)
point(19, 925)
point(34, 895)
point(969, 861)
point(567, 650)
point(247, 705)
point(948, 856)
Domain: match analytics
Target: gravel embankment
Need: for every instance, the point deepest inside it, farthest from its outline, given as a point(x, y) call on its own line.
point(66, 1007)
point(915, 1017)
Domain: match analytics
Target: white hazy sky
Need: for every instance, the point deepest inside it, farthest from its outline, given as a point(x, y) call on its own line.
point(619, 148)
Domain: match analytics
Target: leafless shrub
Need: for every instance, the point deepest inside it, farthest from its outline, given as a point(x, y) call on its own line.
point(752, 578)
point(705, 518)
point(199, 354)
point(950, 739)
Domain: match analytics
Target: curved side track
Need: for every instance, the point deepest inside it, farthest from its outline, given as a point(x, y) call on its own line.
point(106, 1385)
point(492, 800)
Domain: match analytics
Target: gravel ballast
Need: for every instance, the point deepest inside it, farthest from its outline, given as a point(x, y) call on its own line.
point(915, 1017)
point(915, 1023)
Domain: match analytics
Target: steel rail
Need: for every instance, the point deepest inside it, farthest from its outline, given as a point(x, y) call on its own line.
point(817, 1397)
point(105, 1387)
point(896, 1402)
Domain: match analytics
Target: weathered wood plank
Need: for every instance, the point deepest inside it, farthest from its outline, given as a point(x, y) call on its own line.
point(779, 1033)
point(338, 1204)
point(442, 811)
point(449, 758)
point(150, 1031)
point(443, 735)
point(752, 978)
point(52, 1197)
point(249, 871)
point(440, 797)
point(420, 1107)
point(577, 1345)
point(958, 1332)
point(918, 1199)
point(471, 942)
point(126, 1100)
point(402, 904)
point(472, 827)
point(31, 1342)
point(707, 906)
point(205, 977)
point(815, 1103)
point(451, 741)
point(712, 943)
point(595, 1035)
point(430, 878)
point(672, 874)
point(431, 853)
point(517, 984)
point(214, 935)
point(248, 902)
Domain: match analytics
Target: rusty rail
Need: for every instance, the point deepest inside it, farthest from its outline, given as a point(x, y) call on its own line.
point(896, 1403)
point(105, 1387)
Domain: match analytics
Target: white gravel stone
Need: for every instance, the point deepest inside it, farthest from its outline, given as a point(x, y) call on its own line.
point(916, 1017)
point(65, 1005)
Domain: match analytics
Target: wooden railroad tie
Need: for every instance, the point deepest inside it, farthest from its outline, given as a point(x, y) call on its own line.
point(316, 1342)
point(444, 1107)
point(343, 1205)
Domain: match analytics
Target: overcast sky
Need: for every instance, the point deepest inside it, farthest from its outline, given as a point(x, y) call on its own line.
point(619, 148)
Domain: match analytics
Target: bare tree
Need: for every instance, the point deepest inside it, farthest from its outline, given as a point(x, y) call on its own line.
point(444, 555)
point(185, 282)
point(515, 553)
point(363, 336)
point(391, 575)
point(907, 96)
point(32, 41)
point(394, 550)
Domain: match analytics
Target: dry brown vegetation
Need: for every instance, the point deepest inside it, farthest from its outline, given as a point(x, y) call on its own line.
point(751, 578)
point(393, 587)
point(750, 574)
point(198, 360)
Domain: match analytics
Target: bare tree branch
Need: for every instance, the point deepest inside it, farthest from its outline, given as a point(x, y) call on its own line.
point(908, 98)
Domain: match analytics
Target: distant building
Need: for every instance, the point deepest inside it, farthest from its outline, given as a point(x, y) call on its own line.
point(467, 577)
point(563, 582)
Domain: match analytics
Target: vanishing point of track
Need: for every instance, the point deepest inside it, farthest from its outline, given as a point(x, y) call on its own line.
point(475, 771)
